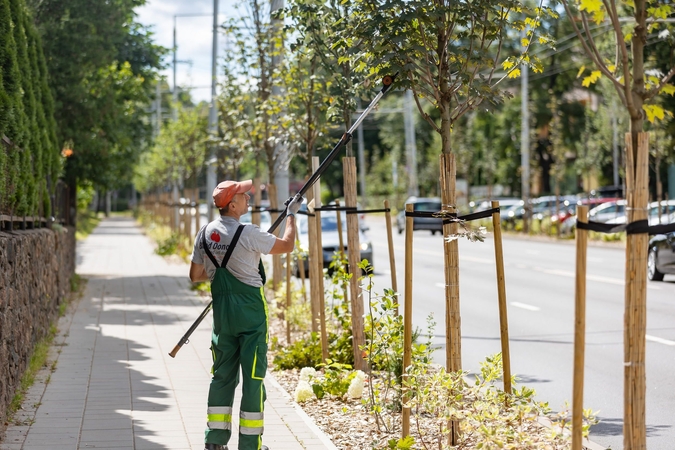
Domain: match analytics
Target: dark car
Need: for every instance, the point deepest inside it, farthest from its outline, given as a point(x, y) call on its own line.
point(330, 236)
point(429, 204)
point(661, 257)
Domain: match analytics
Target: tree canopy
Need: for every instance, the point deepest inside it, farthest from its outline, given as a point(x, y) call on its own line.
point(103, 68)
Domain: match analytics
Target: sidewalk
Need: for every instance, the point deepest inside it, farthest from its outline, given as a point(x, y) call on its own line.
point(114, 385)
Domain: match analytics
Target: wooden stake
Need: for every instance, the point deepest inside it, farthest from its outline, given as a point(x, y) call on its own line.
point(353, 249)
point(277, 267)
point(501, 297)
point(319, 261)
point(392, 260)
point(579, 331)
point(288, 297)
point(407, 317)
point(635, 323)
point(453, 325)
point(257, 199)
point(339, 228)
point(314, 273)
point(301, 269)
point(341, 248)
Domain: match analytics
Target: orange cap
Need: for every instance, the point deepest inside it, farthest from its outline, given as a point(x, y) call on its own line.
point(225, 191)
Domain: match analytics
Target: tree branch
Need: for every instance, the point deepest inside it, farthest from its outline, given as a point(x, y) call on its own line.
point(421, 110)
point(590, 53)
point(652, 92)
point(624, 91)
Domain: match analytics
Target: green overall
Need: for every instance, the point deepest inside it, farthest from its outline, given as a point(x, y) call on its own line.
point(239, 339)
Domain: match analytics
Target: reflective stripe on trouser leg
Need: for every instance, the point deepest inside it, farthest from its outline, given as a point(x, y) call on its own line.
point(219, 417)
point(251, 423)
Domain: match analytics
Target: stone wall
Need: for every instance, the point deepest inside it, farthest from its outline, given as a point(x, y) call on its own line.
point(35, 271)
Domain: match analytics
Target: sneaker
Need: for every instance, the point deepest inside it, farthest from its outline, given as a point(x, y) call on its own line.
point(215, 447)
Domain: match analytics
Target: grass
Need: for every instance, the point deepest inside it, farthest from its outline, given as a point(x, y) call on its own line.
point(38, 360)
point(86, 222)
point(168, 243)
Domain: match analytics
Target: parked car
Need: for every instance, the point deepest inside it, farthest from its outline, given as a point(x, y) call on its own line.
point(429, 204)
point(541, 207)
point(603, 212)
point(661, 256)
point(667, 208)
point(330, 239)
point(265, 219)
point(504, 204)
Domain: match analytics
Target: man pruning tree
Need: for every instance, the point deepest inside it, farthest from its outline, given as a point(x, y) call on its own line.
point(240, 320)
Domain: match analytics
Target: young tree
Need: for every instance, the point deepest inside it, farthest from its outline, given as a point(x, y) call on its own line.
point(258, 45)
point(306, 101)
point(448, 53)
point(178, 153)
point(628, 70)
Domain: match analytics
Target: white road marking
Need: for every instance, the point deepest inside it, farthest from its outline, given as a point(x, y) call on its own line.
point(598, 278)
point(525, 306)
point(659, 340)
point(478, 260)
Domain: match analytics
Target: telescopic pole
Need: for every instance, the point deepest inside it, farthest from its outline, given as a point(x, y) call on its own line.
point(387, 82)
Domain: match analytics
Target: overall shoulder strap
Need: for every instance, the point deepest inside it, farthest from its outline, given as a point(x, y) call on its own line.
point(233, 243)
point(206, 248)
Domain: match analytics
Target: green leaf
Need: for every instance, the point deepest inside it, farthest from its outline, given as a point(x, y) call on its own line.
point(592, 78)
point(654, 112)
point(668, 89)
point(581, 71)
point(593, 7)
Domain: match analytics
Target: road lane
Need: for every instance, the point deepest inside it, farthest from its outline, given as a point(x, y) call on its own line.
point(540, 274)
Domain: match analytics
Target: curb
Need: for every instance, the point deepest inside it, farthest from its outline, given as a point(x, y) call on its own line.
point(303, 415)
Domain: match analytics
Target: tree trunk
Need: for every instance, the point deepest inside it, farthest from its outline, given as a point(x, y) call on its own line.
point(354, 257)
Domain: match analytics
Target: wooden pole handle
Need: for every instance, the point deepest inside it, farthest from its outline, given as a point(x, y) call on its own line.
point(175, 350)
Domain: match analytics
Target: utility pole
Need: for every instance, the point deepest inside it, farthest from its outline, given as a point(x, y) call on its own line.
point(174, 112)
point(525, 145)
point(213, 116)
point(282, 160)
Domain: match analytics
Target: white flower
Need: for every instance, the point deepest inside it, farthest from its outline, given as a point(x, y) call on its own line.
point(303, 392)
point(356, 385)
point(307, 373)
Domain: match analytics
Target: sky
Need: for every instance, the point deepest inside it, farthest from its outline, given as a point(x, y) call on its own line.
point(194, 38)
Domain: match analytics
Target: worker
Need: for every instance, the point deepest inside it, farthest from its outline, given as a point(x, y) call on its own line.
point(240, 316)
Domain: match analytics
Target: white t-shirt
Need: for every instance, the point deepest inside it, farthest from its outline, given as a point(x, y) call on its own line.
point(243, 263)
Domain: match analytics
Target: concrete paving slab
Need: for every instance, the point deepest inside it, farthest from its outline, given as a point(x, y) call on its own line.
point(115, 387)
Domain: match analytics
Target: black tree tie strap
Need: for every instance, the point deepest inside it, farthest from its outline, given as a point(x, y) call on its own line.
point(637, 227)
point(452, 217)
point(351, 209)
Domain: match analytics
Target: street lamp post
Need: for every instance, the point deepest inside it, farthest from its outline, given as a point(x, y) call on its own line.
point(213, 116)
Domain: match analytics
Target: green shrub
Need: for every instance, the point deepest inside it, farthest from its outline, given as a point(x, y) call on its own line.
point(335, 381)
point(302, 353)
point(168, 246)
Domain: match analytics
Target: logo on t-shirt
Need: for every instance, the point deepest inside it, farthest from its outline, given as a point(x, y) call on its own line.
point(215, 237)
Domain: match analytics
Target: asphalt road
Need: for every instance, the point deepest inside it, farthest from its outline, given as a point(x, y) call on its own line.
point(540, 296)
